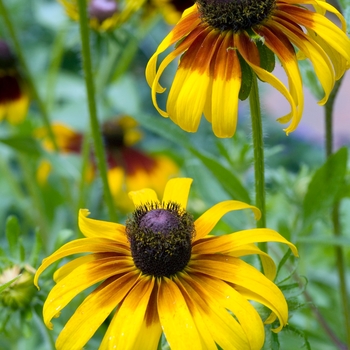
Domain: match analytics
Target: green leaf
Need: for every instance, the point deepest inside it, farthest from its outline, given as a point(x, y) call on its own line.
point(23, 144)
point(12, 233)
point(324, 186)
point(229, 182)
point(247, 79)
point(267, 57)
point(325, 240)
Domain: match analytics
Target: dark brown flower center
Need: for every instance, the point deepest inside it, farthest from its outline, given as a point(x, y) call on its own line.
point(235, 15)
point(160, 239)
point(102, 9)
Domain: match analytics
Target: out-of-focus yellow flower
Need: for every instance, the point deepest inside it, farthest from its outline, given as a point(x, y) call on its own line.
point(222, 43)
point(129, 169)
point(166, 272)
point(14, 99)
point(104, 14)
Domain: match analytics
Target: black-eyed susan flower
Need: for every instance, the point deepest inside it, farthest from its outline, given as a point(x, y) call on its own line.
point(223, 42)
point(165, 272)
point(129, 168)
point(14, 98)
point(104, 14)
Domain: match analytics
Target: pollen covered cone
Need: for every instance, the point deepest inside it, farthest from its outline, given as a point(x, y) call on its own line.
point(14, 99)
point(104, 15)
point(221, 43)
point(165, 272)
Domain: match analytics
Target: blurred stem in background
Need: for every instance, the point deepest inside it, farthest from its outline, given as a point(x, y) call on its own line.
point(28, 76)
point(94, 124)
point(337, 229)
point(259, 161)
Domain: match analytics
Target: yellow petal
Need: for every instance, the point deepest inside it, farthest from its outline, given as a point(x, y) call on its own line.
point(97, 228)
point(241, 274)
point(84, 245)
point(224, 329)
point(230, 299)
point(175, 318)
point(225, 89)
point(244, 45)
point(231, 242)
point(17, 109)
point(177, 191)
point(188, 22)
point(200, 319)
point(93, 311)
point(207, 221)
point(123, 330)
point(80, 279)
point(143, 197)
point(314, 52)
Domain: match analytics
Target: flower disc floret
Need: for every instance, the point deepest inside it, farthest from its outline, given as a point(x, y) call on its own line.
point(160, 239)
point(234, 15)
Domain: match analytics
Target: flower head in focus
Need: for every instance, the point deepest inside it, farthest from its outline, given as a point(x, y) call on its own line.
point(104, 14)
point(14, 99)
point(223, 42)
point(165, 272)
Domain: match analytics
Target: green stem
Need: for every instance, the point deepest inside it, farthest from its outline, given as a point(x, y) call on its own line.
point(94, 125)
point(28, 75)
point(337, 229)
point(259, 164)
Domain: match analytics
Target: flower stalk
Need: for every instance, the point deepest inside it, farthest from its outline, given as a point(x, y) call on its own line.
point(335, 214)
point(259, 161)
point(94, 124)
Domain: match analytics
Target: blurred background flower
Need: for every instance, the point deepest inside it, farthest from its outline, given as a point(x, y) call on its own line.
point(14, 96)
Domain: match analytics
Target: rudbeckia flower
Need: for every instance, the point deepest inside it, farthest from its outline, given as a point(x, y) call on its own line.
point(129, 169)
point(104, 14)
point(14, 100)
point(166, 272)
point(223, 42)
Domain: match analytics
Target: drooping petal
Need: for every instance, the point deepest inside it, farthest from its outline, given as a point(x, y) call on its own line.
point(278, 43)
point(207, 221)
point(175, 317)
point(94, 310)
point(177, 191)
point(244, 46)
point(80, 279)
point(226, 85)
point(321, 25)
point(98, 228)
point(224, 329)
point(313, 51)
point(194, 74)
point(176, 86)
point(123, 330)
point(188, 22)
point(143, 197)
point(84, 245)
point(230, 299)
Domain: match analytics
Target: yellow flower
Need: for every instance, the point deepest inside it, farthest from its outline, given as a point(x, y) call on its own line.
point(222, 43)
point(165, 272)
point(129, 169)
point(104, 14)
point(14, 99)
